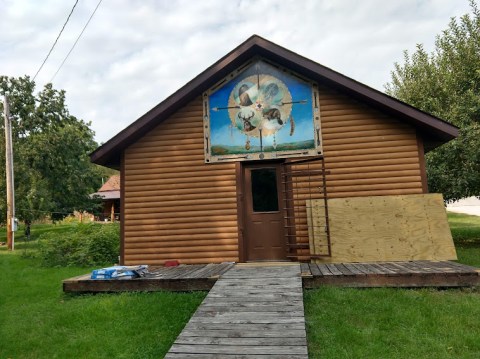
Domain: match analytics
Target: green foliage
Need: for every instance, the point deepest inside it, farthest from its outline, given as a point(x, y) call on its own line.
point(53, 173)
point(446, 83)
point(93, 244)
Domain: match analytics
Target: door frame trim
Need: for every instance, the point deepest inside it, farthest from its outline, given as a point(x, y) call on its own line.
point(240, 215)
point(240, 173)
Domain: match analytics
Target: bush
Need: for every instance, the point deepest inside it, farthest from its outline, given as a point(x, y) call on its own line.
point(84, 245)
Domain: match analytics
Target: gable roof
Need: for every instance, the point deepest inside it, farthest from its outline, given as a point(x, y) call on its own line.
point(433, 130)
point(110, 189)
point(112, 184)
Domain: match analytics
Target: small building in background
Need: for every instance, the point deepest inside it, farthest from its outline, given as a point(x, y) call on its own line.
point(110, 194)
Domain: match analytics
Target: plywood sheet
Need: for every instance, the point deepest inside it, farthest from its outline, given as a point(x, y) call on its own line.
point(387, 228)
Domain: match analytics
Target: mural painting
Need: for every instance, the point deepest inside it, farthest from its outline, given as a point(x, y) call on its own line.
point(261, 112)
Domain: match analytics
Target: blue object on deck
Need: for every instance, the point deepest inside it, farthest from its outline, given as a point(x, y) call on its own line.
point(120, 272)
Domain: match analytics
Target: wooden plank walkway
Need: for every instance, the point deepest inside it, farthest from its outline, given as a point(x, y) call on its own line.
point(253, 311)
point(180, 278)
point(390, 274)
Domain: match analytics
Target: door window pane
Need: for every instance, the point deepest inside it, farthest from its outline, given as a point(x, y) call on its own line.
point(264, 190)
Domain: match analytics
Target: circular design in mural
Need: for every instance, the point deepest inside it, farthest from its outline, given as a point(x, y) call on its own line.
point(260, 104)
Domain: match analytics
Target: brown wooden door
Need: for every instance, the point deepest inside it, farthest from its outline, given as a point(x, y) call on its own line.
point(263, 212)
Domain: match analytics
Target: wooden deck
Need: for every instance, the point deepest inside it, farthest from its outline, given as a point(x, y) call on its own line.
point(390, 274)
point(181, 278)
point(252, 311)
point(380, 274)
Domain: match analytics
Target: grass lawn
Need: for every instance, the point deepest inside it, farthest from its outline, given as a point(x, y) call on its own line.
point(393, 323)
point(466, 234)
point(38, 321)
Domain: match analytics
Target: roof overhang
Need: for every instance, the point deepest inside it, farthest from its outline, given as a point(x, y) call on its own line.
point(433, 130)
point(106, 194)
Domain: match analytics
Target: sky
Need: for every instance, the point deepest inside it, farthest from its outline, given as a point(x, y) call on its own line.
point(135, 53)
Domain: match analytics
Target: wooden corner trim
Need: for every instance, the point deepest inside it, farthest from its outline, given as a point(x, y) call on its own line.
point(240, 222)
point(421, 160)
point(122, 208)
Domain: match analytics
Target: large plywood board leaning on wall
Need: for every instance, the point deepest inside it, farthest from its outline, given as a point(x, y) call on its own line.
point(385, 228)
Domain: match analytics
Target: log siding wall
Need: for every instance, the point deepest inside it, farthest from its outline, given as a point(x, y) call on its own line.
point(367, 152)
point(178, 207)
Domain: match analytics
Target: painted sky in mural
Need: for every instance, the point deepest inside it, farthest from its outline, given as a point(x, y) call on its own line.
point(263, 106)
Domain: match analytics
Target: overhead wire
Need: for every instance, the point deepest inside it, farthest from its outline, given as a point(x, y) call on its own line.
point(63, 27)
point(78, 38)
point(61, 65)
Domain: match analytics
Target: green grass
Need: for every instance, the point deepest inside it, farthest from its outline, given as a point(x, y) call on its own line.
point(466, 235)
point(37, 320)
point(400, 323)
point(392, 323)
point(36, 231)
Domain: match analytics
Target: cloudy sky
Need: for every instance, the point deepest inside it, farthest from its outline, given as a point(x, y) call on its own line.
point(135, 53)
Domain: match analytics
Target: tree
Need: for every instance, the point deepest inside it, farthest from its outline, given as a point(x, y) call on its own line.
point(446, 83)
point(53, 173)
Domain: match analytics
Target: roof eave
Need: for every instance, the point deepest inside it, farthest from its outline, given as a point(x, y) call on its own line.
point(380, 100)
point(109, 154)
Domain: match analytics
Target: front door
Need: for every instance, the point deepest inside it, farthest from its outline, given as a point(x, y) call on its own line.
point(263, 212)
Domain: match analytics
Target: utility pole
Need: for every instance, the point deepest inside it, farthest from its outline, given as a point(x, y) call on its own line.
point(9, 175)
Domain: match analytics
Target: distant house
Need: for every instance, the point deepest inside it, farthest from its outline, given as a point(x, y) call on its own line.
point(110, 194)
point(267, 155)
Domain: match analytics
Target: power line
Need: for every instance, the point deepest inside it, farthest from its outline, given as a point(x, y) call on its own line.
point(78, 38)
point(68, 18)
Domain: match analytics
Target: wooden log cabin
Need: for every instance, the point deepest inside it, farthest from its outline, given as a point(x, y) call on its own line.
point(267, 155)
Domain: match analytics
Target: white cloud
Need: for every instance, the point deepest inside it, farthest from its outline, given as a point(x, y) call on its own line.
point(137, 52)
